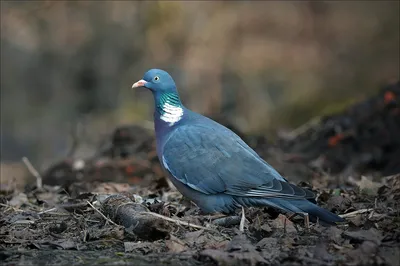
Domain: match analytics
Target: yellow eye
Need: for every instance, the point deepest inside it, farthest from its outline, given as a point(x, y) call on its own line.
point(156, 78)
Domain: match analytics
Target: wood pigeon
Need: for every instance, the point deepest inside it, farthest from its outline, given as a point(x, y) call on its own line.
point(215, 168)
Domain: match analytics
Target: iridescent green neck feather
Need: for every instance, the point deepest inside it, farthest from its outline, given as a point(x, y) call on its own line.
point(169, 107)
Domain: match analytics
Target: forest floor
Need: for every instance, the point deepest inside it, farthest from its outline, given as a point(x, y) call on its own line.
point(117, 208)
point(74, 232)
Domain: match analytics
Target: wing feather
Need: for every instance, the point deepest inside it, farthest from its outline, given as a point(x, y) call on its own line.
point(215, 160)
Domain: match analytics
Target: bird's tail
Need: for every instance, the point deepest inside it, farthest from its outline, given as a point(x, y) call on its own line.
point(316, 213)
point(298, 206)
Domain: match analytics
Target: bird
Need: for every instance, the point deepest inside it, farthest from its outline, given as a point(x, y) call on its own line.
point(213, 167)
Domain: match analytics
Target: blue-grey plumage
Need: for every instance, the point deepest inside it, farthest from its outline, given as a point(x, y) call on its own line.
point(212, 166)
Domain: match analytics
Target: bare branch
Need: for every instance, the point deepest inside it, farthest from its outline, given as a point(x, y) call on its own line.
point(178, 221)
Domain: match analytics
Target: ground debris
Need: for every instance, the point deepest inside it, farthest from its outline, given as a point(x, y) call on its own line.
point(118, 208)
point(70, 224)
point(239, 251)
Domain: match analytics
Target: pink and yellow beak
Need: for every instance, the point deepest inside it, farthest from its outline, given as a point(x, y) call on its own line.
point(138, 84)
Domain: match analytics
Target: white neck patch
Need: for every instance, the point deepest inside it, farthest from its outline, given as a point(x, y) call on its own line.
point(172, 114)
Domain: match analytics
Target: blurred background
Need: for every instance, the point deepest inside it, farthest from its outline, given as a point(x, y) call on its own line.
point(68, 66)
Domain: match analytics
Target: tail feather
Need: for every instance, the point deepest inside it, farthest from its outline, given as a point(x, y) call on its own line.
point(315, 212)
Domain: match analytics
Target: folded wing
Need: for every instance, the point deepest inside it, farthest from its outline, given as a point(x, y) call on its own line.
point(212, 159)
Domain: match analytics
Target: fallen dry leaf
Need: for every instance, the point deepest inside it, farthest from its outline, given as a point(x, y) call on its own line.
point(175, 245)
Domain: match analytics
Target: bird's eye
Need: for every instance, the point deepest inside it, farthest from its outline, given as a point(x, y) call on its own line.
point(156, 78)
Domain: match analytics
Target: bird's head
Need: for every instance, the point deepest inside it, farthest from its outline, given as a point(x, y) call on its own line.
point(157, 80)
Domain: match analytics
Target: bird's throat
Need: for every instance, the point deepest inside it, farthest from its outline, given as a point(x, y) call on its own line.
point(169, 108)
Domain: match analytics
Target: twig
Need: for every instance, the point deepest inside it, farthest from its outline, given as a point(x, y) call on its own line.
point(177, 221)
point(49, 210)
point(170, 185)
point(33, 171)
point(354, 213)
point(242, 221)
point(69, 207)
point(227, 221)
point(104, 240)
point(24, 222)
point(126, 162)
point(55, 214)
point(11, 207)
point(303, 128)
point(105, 217)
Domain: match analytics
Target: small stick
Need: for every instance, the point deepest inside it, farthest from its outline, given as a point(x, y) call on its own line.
point(33, 171)
point(284, 224)
point(105, 217)
point(57, 214)
point(354, 213)
point(49, 210)
point(11, 207)
point(126, 162)
point(177, 221)
point(303, 128)
point(242, 220)
point(307, 221)
point(170, 185)
point(216, 216)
